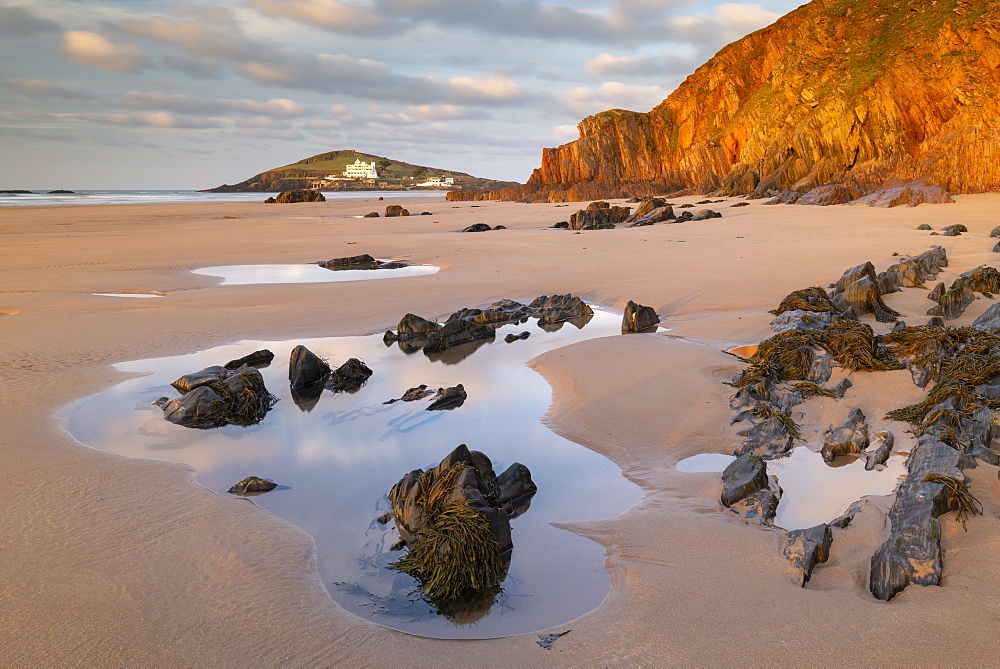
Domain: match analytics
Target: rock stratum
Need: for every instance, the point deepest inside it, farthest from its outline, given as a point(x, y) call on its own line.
point(866, 93)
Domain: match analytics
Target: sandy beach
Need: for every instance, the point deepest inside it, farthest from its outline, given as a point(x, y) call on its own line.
point(113, 561)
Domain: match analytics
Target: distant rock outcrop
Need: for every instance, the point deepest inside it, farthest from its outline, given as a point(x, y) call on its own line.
point(291, 196)
point(859, 94)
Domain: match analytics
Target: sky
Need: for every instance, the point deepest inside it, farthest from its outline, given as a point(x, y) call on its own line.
point(152, 94)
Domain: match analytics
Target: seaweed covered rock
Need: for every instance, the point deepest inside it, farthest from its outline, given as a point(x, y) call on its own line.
point(305, 368)
point(363, 261)
point(638, 318)
point(558, 308)
point(252, 484)
point(598, 216)
point(292, 196)
point(348, 377)
point(807, 548)
point(216, 396)
point(846, 439)
point(455, 529)
point(261, 358)
point(813, 299)
point(864, 298)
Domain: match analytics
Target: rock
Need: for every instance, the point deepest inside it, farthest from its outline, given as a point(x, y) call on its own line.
point(798, 319)
point(854, 274)
point(448, 398)
point(910, 194)
point(989, 320)
point(864, 298)
point(252, 484)
point(769, 439)
point(638, 318)
point(411, 327)
point(209, 376)
point(270, 200)
point(293, 196)
point(557, 308)
point(513, 485)
point(995, 232)
point(395, 210)
point(478, 227)
point(832, 193)
point(744, 476)
point(954, 301)
point(305, 368)
point(516, 337)
point(785, 197)
point(413, 394)
point(996, 248)
point(371, 214)
point(685, 206)
point(426, 213)
point(659, 215)
point(261, 358)
point(807, 548)
point(706, 214)
point(598, 216)
point(562, 225)
point(924, 226)
point(216, 396)
point(194, 406)
point(952, 230)
point(502, 311)
point(500, 227)
point(363, 261)
point(348, 377)
point(740, 204)
point(684, 216)
point(880, 454)
point(456, 332)
point(849, 438)
point(937, 292)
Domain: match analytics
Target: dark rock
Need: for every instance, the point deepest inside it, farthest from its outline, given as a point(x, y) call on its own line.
point(270, 200)
point(371, 214)
point(513, 485)
point(448, 398)
point(215, 397)
point(785, 197)
point(744, 476)
point(197, 403)
point(426, 213)
point(854, 274)
point(516, 337)
point(413, 394)
point(924, 226)
point(995, 232)
point(363, 261)
point(685, 206)
point(706, 214)
point(740, 204)
point(989, 320)
point(252, 484)
point(478, 227)
point(849, 438)
point(683, 217)
point(562, 225)
point(659, 215)
point(503, 311)
point(261, 358)
point(883, 449)
point(954, 301)
point(799, 319)
point(767, 439)
point(556, 308)
point(395, 210)
point(953, 230)
point(863, 296)
point(638, 318)
point(456, 332)
point(807, 548)
point(348, 377)
point(935, 322)
point(210, 376)
point(598, 216)
point(305, 368)
point(546, 640)
point(844, 520)
point(996, 248)
point(910, 194)
point(293, 196)
point(937, 292)
point(500, 227)
point(833, 193)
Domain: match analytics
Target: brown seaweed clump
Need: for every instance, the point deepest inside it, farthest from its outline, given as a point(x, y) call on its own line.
point(789, 356)
point(958, 496)
point(806, 299)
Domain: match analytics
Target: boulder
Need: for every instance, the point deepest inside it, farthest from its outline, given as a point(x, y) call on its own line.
point(478, 227)
point(513, 485)
point(395, 210)
point(706, 214)
point(849, 438)
point(410, 327)
point(210, 376)
point(995, 232)
point(770, 438)
point(216, 396)
point(371, 214)
point(854, 274)
point(832, 193)
point(908, 194)
point(989, 320)
point(660, 215)
point(953, 230)
point(638, 318)
point(598, 216)
point(305, 368)
point(270, 200)
point(863, 296)
point(348, 377)
point(448, 398)
point(799, 319)
point(879, 455)
point(785, 197)
point(252, 484)
point(561, 225)
point(456, 332)
point(924, 226)
point(516, 337)
point(744, 476)
point(261, 358)
point(195, 406)
point(807, 548)
point(292, 196)
point(557, 308)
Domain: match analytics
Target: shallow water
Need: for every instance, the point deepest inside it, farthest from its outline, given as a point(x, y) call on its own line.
point(239, 275)
point(126, 295)
point(337, 458)
point(814, 491)
point(84, 197)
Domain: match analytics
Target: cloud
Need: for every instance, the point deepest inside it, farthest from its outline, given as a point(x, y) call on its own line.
point(38, 88)
point(583, 101)
point(203, 68)
point(18, 21)
point(81, 47)
point(333, 15)
point(160, 120)
point(186, 104)
point(607, 65)
point(566, 132)
point(730, 22)
point(441, 113)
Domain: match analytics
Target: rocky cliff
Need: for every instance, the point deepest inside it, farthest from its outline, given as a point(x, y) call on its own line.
point(862, 92)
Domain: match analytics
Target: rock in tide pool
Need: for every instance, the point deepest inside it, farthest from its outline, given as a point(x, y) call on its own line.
point(448, 398)
point(639, 318)
point(849, 438)
point(252, 484)
point(261, 358)
point(348, 377)
point(293, 196)
point(807, 548)
point(305, 368)
point(216, 396)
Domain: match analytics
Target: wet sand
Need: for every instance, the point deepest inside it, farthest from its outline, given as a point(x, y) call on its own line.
point(115, 561)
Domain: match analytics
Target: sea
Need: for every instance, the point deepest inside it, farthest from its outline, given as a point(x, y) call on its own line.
point(42, 198)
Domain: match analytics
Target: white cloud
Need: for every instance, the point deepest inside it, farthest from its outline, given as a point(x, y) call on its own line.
point(81, 47)
point(160, 120)
point(38, 88)
point(584, 100)
point(186, 104)
point(566, 133)
point(333, 15)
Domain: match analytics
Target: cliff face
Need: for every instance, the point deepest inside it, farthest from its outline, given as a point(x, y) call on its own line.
point(857, 91)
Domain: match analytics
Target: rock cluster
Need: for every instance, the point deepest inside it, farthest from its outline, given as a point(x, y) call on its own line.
point(216, 396)
point(598, 216)
point(292, 196)
point(395, 210)
point(363, 261)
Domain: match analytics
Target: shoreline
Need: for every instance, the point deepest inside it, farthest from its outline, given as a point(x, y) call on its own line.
point(159, 563)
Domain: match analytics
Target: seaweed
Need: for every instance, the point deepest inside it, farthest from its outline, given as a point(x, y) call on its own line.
point(810, 389)
point(806, 299)
point(960, 498)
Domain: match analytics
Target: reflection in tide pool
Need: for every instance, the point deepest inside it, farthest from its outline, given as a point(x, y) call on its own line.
point(813, 491)
point(337, 457)
point(238, 275)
